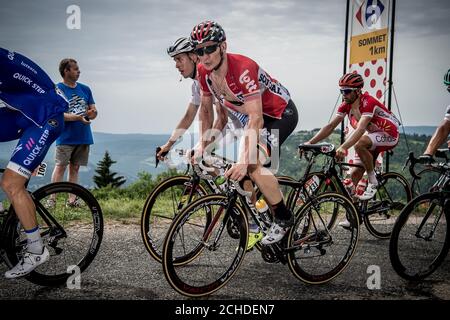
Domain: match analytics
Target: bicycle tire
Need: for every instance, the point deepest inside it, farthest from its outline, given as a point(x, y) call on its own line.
point(413, 261)
point(199, 278)
point(387, 204)
point(151, 236)
point(306, 239)
point(86, 218)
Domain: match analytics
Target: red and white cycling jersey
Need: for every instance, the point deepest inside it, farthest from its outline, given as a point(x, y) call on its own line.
point(382, 120)
point(246, 81)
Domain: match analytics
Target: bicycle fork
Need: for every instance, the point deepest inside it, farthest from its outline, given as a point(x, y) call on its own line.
point(228, 212)
point(435, 223)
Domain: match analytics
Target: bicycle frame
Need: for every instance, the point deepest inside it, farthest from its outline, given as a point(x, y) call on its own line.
point(440, 185)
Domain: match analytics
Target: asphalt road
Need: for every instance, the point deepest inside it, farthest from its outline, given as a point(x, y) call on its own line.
point(124, 270)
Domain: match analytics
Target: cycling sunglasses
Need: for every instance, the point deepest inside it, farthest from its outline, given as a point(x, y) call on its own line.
point(346, 91)
point(206, 50)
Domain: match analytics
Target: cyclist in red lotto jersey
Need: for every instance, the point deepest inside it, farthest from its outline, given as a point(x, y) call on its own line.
point(263, 105)
point(376, 129)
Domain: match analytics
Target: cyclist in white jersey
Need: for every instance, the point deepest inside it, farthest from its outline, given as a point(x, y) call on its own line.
point(186, 62)
point(443, 130)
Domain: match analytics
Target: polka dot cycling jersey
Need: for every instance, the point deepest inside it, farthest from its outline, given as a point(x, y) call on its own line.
point(382, 120)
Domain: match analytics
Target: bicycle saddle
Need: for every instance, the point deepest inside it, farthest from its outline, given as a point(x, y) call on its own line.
point(325, 148)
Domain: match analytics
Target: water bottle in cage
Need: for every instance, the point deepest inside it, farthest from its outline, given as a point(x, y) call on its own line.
point(219, 180)
point(263, 210)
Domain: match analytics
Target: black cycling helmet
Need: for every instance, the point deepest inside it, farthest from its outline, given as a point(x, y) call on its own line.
point(207, 31)
point(447, 78)
point(181, 45)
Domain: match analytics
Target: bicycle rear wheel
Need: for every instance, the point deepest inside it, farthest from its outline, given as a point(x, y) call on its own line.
point(421, 236)
point(316, 253)
point(165, 201)
point(212, 255)
point(71, 232)
point(384, 208)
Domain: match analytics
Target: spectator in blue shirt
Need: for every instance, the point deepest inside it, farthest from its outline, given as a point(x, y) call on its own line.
point(72, 146)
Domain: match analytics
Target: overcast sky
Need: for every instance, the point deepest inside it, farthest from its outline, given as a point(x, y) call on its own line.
point(121, 51)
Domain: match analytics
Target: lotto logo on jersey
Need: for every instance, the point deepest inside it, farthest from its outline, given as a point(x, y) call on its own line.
point(369, 14)
point(250, 84)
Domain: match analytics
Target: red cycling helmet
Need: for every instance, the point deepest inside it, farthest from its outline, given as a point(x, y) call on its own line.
point(207, 31)
point(351, 80)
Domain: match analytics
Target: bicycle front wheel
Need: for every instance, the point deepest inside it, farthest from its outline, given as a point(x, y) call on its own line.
point(383, 209)
point(212, 255)
point(427, 178)
point(317, 253)
point(167, 199)
point(421, 236)
point(71, 230)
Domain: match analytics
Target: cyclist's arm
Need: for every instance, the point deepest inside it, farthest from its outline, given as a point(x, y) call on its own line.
point(439, 137)
point(326, 130)
point(206, 117)
point(253, 109)
point(358, 133)
point(222, 117)
point(183, 125)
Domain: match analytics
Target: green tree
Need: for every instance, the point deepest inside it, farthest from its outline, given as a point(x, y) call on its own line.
point(104, 175)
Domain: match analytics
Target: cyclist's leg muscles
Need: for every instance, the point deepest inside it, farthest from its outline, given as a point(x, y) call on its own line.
point(277, 131)
point(362, 148)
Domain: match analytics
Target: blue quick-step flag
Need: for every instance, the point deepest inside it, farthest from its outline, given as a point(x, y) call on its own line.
point(26, 88)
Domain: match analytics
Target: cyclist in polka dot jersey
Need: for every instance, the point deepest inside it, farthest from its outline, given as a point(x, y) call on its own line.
point(376, 129)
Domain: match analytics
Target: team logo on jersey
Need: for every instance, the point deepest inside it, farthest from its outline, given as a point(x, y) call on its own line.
point(10, 55)
point(250, 84)
point(369, 14)
point(53, 123)
point(17, 149)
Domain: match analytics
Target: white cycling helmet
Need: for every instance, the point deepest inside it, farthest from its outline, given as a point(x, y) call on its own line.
point(181, 45)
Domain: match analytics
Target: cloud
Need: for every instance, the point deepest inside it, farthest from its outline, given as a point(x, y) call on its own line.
point(121, 49)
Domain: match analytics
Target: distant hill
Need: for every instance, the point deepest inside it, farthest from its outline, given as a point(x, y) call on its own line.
point(135, 153)
point(420, 130)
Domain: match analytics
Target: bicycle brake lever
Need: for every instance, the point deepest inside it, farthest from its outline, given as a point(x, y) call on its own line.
point(158, 149)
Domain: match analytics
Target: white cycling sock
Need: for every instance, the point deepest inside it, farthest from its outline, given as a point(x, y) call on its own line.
point(34, 241)
point(372, 178)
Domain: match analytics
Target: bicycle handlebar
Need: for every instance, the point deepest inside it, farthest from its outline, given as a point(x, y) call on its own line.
point(426, 160)
point(412, 161)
